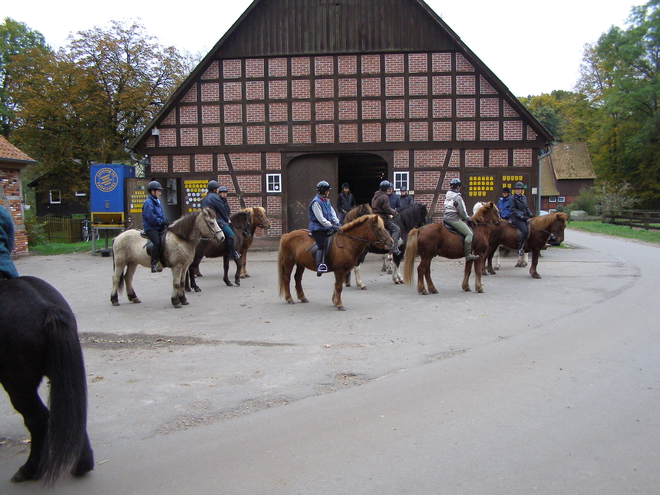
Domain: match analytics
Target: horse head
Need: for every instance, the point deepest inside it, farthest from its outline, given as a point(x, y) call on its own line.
point(259, 217)
point(487, 214)
point(559, 225)
point(208, 226)
point(382, 238)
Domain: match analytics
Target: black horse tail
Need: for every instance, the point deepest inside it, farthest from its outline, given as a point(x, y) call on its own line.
point(66, 438)
point(409, 257)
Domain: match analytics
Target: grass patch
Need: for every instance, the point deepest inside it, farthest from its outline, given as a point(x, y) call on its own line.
point(64, 248)
point(597, 227)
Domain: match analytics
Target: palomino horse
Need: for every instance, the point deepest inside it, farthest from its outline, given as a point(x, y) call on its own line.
point(435, 240)
point(494, 260)
point(258, 218)
point(129, 249)
point(413, 216)
point(540, 230)
point(39, 337)
point(212, 249)
point(343, 251)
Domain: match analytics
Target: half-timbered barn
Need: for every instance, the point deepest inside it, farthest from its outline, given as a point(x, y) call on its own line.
point(564, 173)
point(346, 91)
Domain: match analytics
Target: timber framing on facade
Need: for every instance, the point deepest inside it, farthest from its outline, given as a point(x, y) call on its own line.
point(303, 90)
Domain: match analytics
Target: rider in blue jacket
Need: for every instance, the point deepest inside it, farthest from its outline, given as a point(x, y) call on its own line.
point(7, 268)
point(322, 222)
point(154, 221)
point(503, 203)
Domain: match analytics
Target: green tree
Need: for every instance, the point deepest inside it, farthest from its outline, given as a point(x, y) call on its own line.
point(621, 77)
point(16, 38)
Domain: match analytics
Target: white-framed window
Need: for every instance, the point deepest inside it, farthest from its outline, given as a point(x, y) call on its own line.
point(273, 183)
point(80, 193)
point(552, 199)
point(401, 180)
point(55, 197)
point(561, 199)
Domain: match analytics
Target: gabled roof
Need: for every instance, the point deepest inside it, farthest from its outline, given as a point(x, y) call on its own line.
point(572, 161)
point(548, 184)
point(12, 156)
point(311, 27)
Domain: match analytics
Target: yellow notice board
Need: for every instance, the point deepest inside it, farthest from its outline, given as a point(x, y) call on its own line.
point(480, 185)
point(194, 191)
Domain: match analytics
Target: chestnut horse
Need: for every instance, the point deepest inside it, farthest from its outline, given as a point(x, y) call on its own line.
point(39, 337)
point(343, 251)
point(258, 218)
point(436, 240)
point(212, 249)
point(540, 229)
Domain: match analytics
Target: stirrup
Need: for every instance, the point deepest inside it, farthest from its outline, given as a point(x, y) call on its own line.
point(322, 268)
point(471, 256)
point(235, 255)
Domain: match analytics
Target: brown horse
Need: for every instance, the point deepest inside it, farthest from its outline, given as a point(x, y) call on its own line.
point(344, 249)
point(258, 218)
point(436, 240)
point(211, 248)
point(540, 229)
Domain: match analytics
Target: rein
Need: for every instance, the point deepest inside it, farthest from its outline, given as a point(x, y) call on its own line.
point(539, 228)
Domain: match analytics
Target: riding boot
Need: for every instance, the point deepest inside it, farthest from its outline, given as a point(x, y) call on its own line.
point(230, 249)
point(469, 255)
point(321, 267)
point(521, 243)
point(154, 266)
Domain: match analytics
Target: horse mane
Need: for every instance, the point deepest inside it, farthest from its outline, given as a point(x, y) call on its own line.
point(412, 215)
point(240, 219)
point(357, 211)
point(546, 221)
point(478, 217)
point(184, 226)
point(359, 221)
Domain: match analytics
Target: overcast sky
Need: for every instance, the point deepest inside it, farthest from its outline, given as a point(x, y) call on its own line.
point(533, 46)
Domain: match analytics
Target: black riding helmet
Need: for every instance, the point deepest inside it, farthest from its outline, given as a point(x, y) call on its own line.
point(322, 187)
point(154, 185)
point(385, 185)
point(213, 184)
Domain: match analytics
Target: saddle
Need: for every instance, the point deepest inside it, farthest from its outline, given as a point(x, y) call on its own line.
point(451, 229)
point(149, 246)
point(328, 244)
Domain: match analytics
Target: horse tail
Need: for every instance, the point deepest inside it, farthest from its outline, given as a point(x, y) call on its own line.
point(280, 268)
point(66, 437)
point(409, 257)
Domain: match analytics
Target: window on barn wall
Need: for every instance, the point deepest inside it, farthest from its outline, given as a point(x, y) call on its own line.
point(55, 197)
point(552, 199)
point(561, 199)
point(273, 183)
point(80, 193)
point(400, 180)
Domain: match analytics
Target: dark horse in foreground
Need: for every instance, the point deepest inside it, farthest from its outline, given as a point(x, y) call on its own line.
point(240, 225)
point(39, 337)
point(343, 251)
point(540, 230)
point(436, 240)
point(410, 217)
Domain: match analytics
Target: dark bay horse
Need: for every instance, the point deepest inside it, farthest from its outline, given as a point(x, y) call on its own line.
point(129, 249)
point(258, 218)
point(39, 337)
point(410, 217)
point(211, 249)
point(342, 253)
point(436, 240)
point(540, 230)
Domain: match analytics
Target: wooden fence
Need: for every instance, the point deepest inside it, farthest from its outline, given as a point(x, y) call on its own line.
point(60, 229)
point(641, 219)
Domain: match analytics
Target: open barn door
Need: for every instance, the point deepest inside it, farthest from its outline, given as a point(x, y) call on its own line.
point(303, 173)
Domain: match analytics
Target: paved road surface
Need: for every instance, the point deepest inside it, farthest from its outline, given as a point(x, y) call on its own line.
point(536, 386)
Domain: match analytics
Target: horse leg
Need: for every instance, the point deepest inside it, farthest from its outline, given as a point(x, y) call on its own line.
point(285, 273)
point(298, 278)
point(35, 416)
point(117, 281)
point(478, 270)
point(466, 276)
point(182, 291)
point(244, 273)
point(535, 261)
point(347, 280)
point(496, 256)
point(384, 267)
point(225, 266)
point(422, 269)
point(358, 278)
point(176, 286)
point(130, 291)
point(237, 276)
point(336, 295)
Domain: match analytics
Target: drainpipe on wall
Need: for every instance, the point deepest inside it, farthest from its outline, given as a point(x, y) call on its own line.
point(543, 152)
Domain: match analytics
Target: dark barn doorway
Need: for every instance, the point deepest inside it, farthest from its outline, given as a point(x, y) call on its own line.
point(363, 172)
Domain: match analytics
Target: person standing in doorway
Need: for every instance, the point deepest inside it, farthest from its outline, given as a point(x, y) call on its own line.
point(345, 201)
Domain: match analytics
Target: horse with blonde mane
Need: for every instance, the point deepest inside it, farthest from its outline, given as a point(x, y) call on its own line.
point(436, 240)
point(257, 218)
point(342, 253)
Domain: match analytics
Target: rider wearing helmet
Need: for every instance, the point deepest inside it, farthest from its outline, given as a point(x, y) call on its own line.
point(154, 221)
point(406, 199)
point(380, 204)
point(7, 267)
point(216, 199)
point(503, 203)
point(457, 217)
point(323, 221)
point(520, 214)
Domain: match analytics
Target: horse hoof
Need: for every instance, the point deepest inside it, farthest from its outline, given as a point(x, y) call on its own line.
point(237, 283)
point(348, 285)
point(536, 275)
point(136, 301)
point(468, 290)
point(197, 289)
point(245, 276)
point(341, 308)
point(290, 302)
point(434, 291)
point(424, 292)
point(115, 303)
point(185, 303)
point(364, 287)
point(229, 284)
point(480, 291)
point(304, 300)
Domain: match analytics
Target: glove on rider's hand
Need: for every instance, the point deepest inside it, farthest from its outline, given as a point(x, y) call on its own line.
point(335, 228)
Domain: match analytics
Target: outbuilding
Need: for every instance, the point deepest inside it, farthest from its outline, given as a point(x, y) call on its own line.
point(303, 90)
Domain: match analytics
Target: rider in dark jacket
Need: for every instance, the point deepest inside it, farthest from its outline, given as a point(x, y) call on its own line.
point(405, 199)
point(520, 214)
point(7, 268)
point(380, 204)
point(216, 199)
point(154, 221)
point(345, 201)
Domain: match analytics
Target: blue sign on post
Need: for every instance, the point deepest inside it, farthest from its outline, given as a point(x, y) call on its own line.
point(107, 192)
